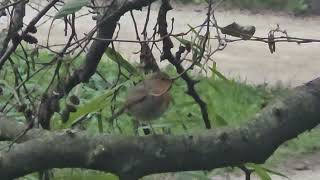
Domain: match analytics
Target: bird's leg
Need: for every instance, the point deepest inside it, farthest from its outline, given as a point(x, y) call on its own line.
point(145, 129)
point(150, 125)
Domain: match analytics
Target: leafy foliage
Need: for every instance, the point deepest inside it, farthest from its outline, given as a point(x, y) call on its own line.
point(117, 57)
point(230, 103)
point(296, 6)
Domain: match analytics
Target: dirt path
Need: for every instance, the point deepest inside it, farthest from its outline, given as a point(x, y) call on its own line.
point(306, 167)
point(292, 64)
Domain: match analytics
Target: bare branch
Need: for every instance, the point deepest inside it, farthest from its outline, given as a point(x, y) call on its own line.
point(105, 29)
point(4, 57)
point(167, 54)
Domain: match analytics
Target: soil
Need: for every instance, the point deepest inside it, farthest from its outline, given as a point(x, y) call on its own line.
point(307, 167)
point(292, 64)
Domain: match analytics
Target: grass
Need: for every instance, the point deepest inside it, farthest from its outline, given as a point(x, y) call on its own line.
point(233, 102)
point(288, 5)
point(298, 7)
point(304, 144)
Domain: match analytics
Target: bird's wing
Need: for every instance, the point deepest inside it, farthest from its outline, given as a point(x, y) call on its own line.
point(159, 87)
point(136, 94)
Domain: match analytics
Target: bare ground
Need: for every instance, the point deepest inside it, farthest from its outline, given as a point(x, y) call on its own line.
point(307, 167)
point(292, 64)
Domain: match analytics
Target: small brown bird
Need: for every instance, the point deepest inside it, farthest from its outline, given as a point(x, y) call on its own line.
point(149, 99)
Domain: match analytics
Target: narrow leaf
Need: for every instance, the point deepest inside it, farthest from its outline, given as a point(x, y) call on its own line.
point(94, 105)
point(117, 57)
point(214, 86)
point(219, 74)
point(71, 7)
point(275, 172)
point(262, 173)
point(220, 121)
point(186, 42)
point(193, 30)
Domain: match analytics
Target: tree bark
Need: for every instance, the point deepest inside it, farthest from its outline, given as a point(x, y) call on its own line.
point(129, 156)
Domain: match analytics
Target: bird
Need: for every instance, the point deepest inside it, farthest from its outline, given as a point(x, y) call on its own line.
point(149, 99)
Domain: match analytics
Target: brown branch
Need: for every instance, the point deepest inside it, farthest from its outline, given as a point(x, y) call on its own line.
point(175, 60)
point(105, 29)
point(4, 57)
point(15, 25)
point(135, 157)
point(11, 4)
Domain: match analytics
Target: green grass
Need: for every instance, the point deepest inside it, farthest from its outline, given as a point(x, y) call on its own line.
point(277, 5)
point(304, 144)
point(295, 6)
point(234, 102)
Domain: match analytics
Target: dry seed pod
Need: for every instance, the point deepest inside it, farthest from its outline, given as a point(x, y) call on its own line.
point(30, 39)
point(74, 100)
point(32, 29)
point(271, 43)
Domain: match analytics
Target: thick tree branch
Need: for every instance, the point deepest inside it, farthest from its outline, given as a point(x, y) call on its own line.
point(135, 157)
point(105, 27)
point(10, 129)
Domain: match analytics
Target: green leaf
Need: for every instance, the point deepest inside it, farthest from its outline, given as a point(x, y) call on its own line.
point(197, 50)
point(31, 177)
point(117, 57)
point(257, 167)
point(261, 172)
point(186, 42)
point(214, 86)
point(12, 89)
point(100, 123)
point(214, 67)
point(70, 7)
point(219, 74)
point(275, 172)
point(195, 55)
point(194, 31)
point(183, 41)
point(185, 104)
point(158, 126)
point(95, 104)
point(220, 121)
